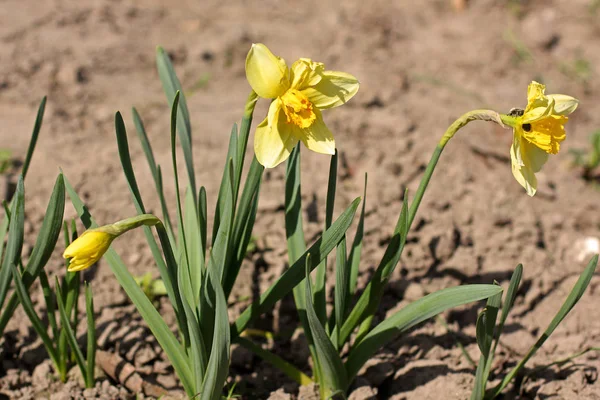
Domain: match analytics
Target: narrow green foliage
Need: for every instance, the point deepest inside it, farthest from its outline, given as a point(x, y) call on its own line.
point(91, 336)
point(156, 172)
point(173, 89)
point(167, 273)
point(15, 239)
point(368, 302)
point(485, 335)
point(296, 273)
point(36, 322)
point(333, 378)
point(159, 329)
point(355, 252)
point(321, 274)
point(66, 327)
point(411, 315)
point(34, 136)
point(218, 364)
point(42, 250)
point(572, 299)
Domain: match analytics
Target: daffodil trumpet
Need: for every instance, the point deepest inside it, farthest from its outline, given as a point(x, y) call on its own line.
point(91, 245)
point(298, 95)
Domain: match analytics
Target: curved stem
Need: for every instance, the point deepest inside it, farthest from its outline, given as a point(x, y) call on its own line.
point(475, 115)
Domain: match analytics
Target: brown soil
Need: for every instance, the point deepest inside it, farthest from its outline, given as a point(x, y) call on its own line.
point(421, 65)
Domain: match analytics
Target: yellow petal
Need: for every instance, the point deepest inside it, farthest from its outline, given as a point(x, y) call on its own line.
point(334, 89)
point(305, 73)
point(318, 137)
point(267, 74)
point(563, 104)
point(273, 140)
point(533, 157)
point(535, 91)
point(522, 173)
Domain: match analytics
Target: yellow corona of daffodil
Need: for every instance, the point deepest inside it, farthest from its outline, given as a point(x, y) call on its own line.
point(88, 248)
point(299, 94)
point(537, 132)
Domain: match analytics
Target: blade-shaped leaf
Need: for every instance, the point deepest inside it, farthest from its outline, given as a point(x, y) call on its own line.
point(368, 302)
point(486, 323)
point(44, 245)
point(159, 328)
point(91, 336)
point(572, 299)
point(66, 327)
point(295, 274)
point(167, 274)
point(34, 136)
point(36, 322)
point(331, 368)
point(355, 252)
point(15, 238)
point(171, 86)
point(156, 172)
point(218, 364)
point(411, 315)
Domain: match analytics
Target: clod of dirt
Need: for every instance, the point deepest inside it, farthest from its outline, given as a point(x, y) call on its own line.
point(309, 392)
point(280, 394)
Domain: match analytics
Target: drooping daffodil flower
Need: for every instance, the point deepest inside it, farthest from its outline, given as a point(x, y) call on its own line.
point(299, 94)
point(537, 132)
point(91, 245)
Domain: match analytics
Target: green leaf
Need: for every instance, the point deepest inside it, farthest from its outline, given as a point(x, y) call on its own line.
point(202, 220)
point(44, 246)
point(194, 248)
point(156, 173)
point(171, 86)
point(355, 252)
point(244, 222)
point(197, 349)
point(159, 329)
point(321, 275)
point(226, 182)
point(91, 337)
point(486, 323)
point(341, 293)
point(576, 293)
point(66, 327)
point(332, 371)
point(411, 315)
point(36, 322)
point(167, 274)
point(34, 136)
point(368, 302)
point(15, 239)
point(184, 276)
point(291, 371)
point(295, 274)
point(218, 364)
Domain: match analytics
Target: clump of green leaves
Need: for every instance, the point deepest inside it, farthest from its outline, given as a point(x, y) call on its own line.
point(23, 275)
point(197, 281)
point(489, 330)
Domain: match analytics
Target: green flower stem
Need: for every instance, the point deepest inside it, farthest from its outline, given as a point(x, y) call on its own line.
point(371, 301)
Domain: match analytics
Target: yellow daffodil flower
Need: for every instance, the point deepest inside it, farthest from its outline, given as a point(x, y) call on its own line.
point(537, 132)
point(299, 94)
point(88, 248)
